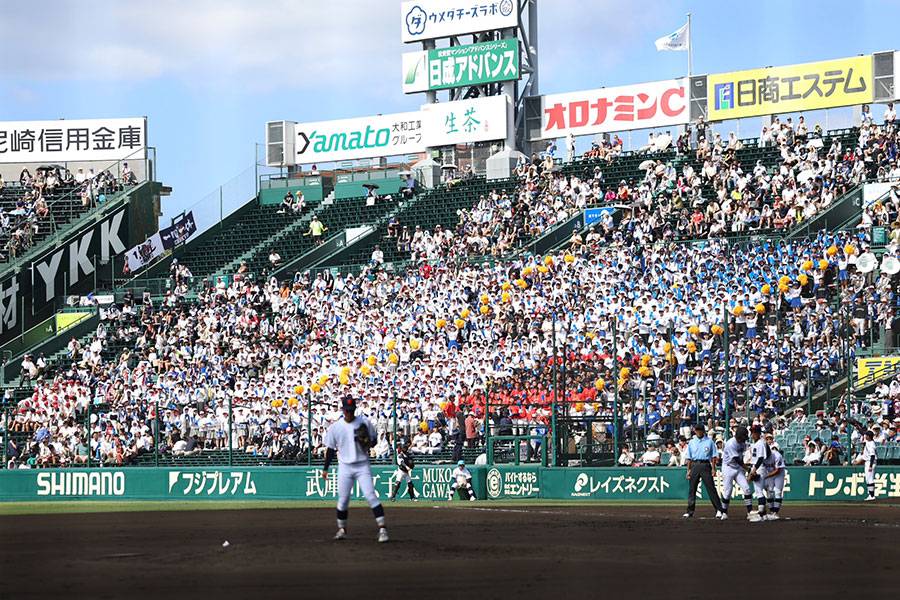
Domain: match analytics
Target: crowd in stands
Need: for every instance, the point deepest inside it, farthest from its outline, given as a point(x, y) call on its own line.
point(644, 332)
point(699, 190)
point(443, 338)
point(34, 196)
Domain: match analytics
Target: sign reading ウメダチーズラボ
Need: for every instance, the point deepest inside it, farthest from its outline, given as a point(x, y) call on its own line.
point(793, 88)
point(639, 106)
point(458, 66)
point(83, 140)
point(431, 19)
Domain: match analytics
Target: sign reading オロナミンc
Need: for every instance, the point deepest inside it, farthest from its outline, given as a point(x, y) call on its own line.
point(432, 19)
point(69, 141)
point(793, 88)
point(458, 66)
point(640, 106)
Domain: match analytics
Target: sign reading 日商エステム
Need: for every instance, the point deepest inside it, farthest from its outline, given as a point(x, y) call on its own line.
point(639, 106)
point(793, 88)
point(432, 19)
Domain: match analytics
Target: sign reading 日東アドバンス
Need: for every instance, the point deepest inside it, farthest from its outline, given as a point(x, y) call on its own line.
point(458, 66)
point(640, 106)
point(793, 88)
point(83, 140)
point(431, 19)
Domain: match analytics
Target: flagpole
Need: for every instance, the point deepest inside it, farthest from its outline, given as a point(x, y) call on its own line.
point(690, 52)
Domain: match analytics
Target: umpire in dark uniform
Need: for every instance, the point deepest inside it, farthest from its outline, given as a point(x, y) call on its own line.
point(701, 464)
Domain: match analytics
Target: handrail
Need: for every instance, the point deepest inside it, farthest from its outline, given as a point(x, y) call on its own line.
point(58, 231)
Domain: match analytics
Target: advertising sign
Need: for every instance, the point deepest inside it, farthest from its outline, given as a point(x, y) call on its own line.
point(164, 239)
point(592, 215)
point(364, 137)
point(431, 19)
point(67, 141)
point(640, 106)
point(213, 483)
point(661, 483)
point(793, 88)
point(870, 370)
point(465, 121)
point(459, 66)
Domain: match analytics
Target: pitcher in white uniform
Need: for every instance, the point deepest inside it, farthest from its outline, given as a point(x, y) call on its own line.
point(352, 437)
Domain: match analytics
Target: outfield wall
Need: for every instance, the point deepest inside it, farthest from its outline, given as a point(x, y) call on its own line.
point(432, 483)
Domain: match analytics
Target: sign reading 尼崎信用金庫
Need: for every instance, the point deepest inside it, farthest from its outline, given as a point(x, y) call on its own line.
point(432, 19)
point(457, 66)
point(793, 88)
point(69, 141)
point(640, 106)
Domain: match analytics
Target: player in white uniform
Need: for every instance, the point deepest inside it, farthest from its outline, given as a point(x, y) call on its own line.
point(352, 437)
point(869, 458)
point(462, 478)
point(759, 454)
point(774, 481)
point(734, 470)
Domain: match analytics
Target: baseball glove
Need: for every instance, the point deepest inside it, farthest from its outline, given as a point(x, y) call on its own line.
point(753, 477)
point(361, 435)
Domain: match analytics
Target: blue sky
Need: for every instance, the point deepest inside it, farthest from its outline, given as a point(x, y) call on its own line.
point(208, 74)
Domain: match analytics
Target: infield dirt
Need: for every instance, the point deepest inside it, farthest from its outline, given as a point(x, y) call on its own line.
point(469, 551)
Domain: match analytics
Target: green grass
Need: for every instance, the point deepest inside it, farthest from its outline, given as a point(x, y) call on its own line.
point(74, 507)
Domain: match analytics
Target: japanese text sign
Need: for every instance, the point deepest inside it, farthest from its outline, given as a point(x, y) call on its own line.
point(640, 106)
point(67, 141)
point(465, 121)
point(793, 88)
point(870, 370)
point(431, 19)
point(458, 66)
point(365, 137)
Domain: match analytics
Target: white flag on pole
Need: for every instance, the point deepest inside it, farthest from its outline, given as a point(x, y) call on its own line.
point(675, 41)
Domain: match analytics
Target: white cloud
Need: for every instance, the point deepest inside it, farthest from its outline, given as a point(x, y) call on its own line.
point(277, 44)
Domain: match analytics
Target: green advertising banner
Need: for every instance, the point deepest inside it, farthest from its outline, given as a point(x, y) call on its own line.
point(261, 483)
point(459, 66)
point(649, 483)
point(432, 483)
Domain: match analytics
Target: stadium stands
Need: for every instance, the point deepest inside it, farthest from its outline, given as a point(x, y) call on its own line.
point(767, 325)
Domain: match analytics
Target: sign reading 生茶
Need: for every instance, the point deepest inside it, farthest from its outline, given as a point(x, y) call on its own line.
point(431, 19)
point(793, 88)
point(465, 121)
point(458, 66)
